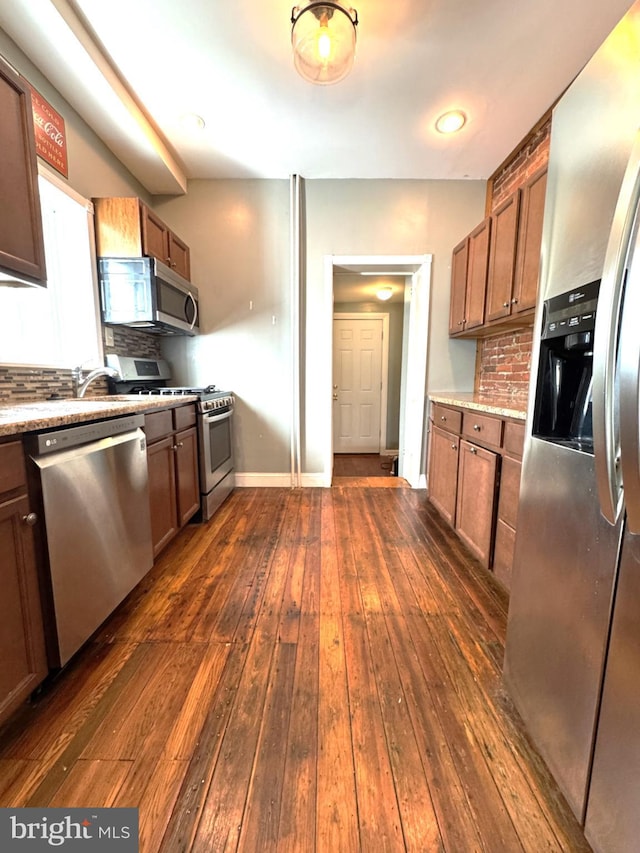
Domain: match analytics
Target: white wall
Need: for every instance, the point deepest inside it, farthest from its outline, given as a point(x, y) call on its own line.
point(238, 232)
point(385, 218)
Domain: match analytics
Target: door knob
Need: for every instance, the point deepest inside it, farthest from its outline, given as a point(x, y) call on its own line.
point(335, 396)
point(335, 387)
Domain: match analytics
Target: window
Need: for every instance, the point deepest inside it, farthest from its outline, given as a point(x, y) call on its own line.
point(56, 326)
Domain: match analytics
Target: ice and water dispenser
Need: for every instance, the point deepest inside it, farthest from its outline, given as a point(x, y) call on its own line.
point(563, 405)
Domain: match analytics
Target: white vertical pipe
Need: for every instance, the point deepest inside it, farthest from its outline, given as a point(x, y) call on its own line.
point(295, 224)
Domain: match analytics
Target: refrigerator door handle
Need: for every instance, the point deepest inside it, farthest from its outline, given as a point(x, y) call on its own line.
point(629, 377)
point(606, 428)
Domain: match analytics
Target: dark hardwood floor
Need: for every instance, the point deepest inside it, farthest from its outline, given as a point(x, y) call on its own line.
point(314, 670)
point(361, 465)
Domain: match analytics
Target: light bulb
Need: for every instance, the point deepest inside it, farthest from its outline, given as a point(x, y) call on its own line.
point(324, 43)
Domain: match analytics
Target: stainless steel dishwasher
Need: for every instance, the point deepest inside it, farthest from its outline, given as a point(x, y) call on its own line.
point(94, 494)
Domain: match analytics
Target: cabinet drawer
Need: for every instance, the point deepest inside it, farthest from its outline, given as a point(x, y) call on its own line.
point(482, 428)
point(12, 470)
point(184, 416)
point(158, 424)
point(446, 418)
point(513, 438)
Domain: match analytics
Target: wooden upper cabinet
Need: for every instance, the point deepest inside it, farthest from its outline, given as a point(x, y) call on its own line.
point(477, 267)
point(502, 258)
point(21, 240)
point(525, 288)
point(458, 286)
point(127, 227)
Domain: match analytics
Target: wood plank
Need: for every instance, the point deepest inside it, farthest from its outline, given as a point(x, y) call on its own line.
point(91, 784)
point(336, 815)
point(297, 824)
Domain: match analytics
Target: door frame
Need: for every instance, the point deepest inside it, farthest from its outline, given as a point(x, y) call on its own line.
point(412, 415)
point(384, 368)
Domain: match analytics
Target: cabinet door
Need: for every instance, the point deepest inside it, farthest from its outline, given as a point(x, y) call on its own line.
point(162, 492)
point(475, 506)
point(478, 264)
point(502, 258)
point(530, 241)
point(22, 650)
point(443, 472)
point(458, 287)
point(509, 491)
point(179, 255)
point(21, 240)
point(155, 235)
point(188, 486)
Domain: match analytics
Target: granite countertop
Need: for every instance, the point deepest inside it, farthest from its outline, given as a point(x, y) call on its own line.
point(491, 404)
point(44, 414)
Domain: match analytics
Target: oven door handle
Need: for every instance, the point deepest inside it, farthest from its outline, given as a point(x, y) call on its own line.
point(212, 418)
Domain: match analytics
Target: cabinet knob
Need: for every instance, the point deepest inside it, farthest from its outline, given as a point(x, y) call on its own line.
point(30, 519)
point(505, 304)
point(477, 427)
point(178, 445)
point(514, 301)
point(443, 418)
point(472, 449)
point(461, 322)
point(454, 446)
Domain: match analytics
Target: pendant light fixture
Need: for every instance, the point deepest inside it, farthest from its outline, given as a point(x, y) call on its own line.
point(323, 36)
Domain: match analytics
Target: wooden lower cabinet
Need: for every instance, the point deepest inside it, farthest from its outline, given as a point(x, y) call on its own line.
point(508, 503)
point(475, 505)
point(23, 662)
point(443, 472)
point(474, 480)
point(172, 456)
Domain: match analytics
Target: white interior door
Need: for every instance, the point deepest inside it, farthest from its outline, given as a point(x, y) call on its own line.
point(357, 385)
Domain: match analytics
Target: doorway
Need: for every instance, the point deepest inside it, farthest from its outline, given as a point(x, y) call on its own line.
point(415, 270)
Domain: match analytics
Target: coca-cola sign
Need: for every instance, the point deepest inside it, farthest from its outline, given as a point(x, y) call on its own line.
point(51, 140)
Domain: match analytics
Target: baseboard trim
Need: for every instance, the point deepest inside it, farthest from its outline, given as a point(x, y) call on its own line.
point(247, 480)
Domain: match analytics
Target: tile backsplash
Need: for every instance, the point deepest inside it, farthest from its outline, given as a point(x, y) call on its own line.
point(25, 384)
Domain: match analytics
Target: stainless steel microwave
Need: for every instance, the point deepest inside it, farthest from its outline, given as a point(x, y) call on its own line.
point(146, 294)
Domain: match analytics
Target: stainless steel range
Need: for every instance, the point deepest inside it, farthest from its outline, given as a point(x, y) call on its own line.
point(142, 376)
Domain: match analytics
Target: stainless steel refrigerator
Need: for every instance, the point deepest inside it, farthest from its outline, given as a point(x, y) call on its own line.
point(572, 662)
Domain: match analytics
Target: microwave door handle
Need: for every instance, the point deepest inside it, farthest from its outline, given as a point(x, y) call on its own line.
point(606, 338)
point(195, 310)
point(630, 386)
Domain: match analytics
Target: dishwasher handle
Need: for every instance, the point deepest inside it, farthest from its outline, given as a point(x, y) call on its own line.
point(66, 438)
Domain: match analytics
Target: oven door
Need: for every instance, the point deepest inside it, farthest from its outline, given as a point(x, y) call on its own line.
point(216, 449)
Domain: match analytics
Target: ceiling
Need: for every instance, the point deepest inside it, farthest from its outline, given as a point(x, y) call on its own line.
point(133, 68)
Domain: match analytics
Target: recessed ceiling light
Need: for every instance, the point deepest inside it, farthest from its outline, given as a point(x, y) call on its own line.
point(191, 122)
point(451, 121)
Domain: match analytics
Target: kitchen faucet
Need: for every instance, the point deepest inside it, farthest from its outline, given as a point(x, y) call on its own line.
point(80, 385)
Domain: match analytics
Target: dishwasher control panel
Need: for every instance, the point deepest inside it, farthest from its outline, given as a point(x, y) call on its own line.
point(75, 436)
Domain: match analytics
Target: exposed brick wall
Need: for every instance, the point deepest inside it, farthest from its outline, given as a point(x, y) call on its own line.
point(505, 360)
point(527, 160)
point(505, 364)
point(25, 384)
